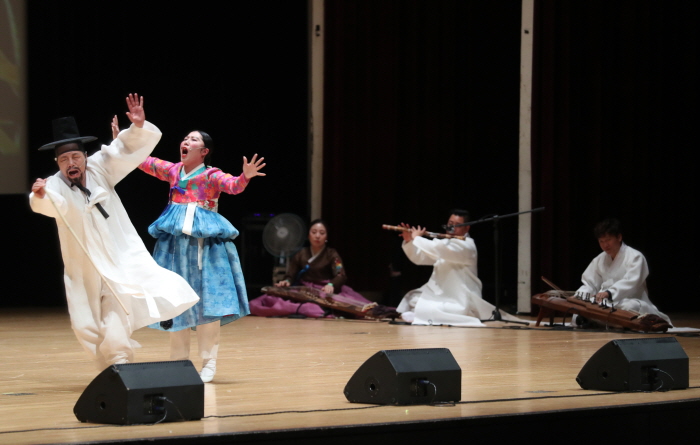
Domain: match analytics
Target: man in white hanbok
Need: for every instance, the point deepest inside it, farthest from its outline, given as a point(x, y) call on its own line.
point(113, 285)
point(452, 296)
point(618, 274)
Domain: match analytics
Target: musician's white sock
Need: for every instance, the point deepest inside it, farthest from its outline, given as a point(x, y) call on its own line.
point(408, 316)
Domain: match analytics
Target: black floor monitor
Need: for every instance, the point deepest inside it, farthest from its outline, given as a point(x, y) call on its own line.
point(143, 393)
point(636, 364)
point(407, 377)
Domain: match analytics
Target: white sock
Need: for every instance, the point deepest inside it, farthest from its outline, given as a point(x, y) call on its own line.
point(208, 370)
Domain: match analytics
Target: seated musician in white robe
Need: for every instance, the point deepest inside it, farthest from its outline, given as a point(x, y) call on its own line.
point(452, 296)
point(618, 274)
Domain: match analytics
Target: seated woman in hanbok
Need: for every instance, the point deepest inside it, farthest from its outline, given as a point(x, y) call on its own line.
point(318, 266)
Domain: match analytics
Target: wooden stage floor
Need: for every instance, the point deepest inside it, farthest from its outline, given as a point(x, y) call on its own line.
point(282, 380)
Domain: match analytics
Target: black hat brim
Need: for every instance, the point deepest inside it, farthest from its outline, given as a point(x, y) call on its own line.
point(53, 145)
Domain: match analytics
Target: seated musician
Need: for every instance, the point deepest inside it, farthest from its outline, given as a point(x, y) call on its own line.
point(618, 274)
point(318, 266)
point(453, 293)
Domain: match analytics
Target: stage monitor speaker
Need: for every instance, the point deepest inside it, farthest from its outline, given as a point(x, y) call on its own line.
point(137, 393)
point(407, 377)
point(638, 364)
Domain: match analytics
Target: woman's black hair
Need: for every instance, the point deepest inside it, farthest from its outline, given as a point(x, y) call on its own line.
point(209, 143)
point(317, 221)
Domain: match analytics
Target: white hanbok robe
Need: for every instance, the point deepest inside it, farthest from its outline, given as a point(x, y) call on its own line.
point(625, 278)
point(149, 292)
point(453, 293)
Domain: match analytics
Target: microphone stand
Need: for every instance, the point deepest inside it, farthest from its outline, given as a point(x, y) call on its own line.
point(496, 314)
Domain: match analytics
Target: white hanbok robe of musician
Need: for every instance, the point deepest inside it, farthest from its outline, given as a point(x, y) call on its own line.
point(149, 292)
point(625, 278)
point(453, 293)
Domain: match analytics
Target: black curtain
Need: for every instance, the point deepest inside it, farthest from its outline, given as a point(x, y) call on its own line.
point(421, 101)
point(614, 101)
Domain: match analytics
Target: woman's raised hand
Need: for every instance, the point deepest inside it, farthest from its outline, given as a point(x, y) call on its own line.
point(252, 169)
point(115, 127)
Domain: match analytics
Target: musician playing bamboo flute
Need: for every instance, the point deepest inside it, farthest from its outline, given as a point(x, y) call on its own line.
point(618, 273)
point(453, 293)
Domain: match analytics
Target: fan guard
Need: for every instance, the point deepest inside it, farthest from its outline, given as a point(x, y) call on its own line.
point(283, 235)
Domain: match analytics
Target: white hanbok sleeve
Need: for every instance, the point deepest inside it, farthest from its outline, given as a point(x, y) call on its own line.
point(126, 152)
point(633, 283)
point(591, 279)
point(44, 205)
point(422, 251)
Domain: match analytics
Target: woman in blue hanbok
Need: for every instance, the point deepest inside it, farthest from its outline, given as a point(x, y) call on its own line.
point(197, 243)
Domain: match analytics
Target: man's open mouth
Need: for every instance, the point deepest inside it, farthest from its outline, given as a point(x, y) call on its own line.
point(73, 172)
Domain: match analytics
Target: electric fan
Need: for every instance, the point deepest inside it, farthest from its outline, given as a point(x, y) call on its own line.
point(283, 236)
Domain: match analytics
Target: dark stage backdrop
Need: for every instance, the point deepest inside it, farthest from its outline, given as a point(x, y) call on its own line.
point(421, 115)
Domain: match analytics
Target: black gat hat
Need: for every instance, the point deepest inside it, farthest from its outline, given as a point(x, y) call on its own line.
point(65, 130)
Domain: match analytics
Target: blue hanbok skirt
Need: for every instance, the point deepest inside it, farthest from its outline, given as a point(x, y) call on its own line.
point(219, 282)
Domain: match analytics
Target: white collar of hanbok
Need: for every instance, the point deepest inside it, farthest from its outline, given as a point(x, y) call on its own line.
point(316, 256)
point(620, 253)
point(195, 171)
